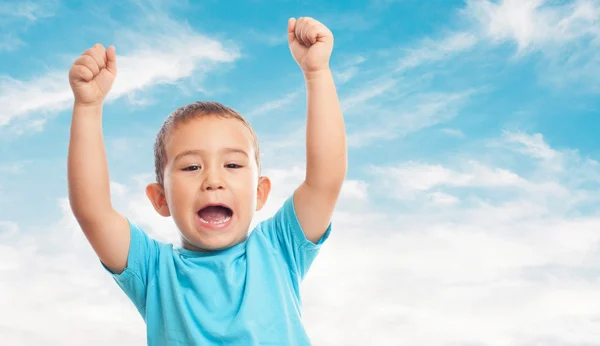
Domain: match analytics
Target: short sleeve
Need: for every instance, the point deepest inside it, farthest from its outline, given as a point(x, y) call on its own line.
point(284, 232)
point(141, 267)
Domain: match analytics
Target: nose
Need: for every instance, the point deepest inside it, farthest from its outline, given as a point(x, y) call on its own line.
point(212, 181)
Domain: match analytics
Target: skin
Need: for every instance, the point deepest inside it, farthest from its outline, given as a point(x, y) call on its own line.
point(210, 173)
point(311, 44)
point(91, 77)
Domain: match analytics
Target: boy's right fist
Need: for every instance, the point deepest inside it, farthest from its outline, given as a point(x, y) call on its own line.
point(93, 74)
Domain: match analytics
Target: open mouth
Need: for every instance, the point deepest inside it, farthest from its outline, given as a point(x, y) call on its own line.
point(215, 214)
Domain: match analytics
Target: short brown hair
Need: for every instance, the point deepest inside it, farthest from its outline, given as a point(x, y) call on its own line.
point(189, 112)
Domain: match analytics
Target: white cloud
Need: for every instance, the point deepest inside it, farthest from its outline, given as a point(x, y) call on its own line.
point(166, 57)
point(409, 114)
point(11, 168)
point(531, 145)
point(561, 182)
point(366, 137)
point(566, 33)
point(461, 252)
point(501, 271)
point(164, 54)
point(55, 292)
point(453, 133)
point(405, 179)
point(270, 106)
point(8, 228)
point(442, 198)
point(448, 271)
point(346, 75)
point(406, 112)
point(45, 94)
point(354, 190)
point(367, 92)
point(17, 17)
point(430, 50)
point(348, 69)
point(537, 24)
point(9, 42)
point(64, 281)
point(557, 169)
point(343, 74)
point(373, 123)
point(28, 10)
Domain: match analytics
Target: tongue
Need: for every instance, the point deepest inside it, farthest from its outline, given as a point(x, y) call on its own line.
point(213, 214)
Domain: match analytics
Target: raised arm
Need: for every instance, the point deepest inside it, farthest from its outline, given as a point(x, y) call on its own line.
point(91, 77)
point(311, 44)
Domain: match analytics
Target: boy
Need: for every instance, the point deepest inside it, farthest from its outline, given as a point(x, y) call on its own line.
point(223, 286)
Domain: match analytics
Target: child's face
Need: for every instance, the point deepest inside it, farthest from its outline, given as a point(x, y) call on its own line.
point(210, 161)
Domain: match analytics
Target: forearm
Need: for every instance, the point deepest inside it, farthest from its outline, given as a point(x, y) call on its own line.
point(88, 179)
point(326, 152)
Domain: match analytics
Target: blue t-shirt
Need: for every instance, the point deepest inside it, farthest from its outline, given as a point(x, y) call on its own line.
point(245, 295)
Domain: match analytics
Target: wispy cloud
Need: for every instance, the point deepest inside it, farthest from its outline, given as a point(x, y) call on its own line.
point(376, 124)
point(552, 165)
point(560, 180)
point(49, 93)
point(566, 33)
point(10, 43)
point(534, 25)
point(537, 24)
point(532, 145)
point(492, 241)
point(370, 90)
point(348, 70)
point(423, 177)
point(27, 10)
point(409, 114)
point(11, 168)
point(342, 74)
point(169, 52)
point(270, 106)
point(430, 50)
point(453, 132)
point(17, 17)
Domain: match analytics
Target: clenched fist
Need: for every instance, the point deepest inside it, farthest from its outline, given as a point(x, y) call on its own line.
point(92, 75)
point(311, 43)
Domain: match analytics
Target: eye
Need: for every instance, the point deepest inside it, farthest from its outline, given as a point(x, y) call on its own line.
point(192, 168)
point(233, 165)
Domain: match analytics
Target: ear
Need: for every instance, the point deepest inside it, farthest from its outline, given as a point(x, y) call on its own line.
point(156, 195)
point(263, 189)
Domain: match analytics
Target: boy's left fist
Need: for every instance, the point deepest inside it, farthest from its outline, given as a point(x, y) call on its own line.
point(311, 43)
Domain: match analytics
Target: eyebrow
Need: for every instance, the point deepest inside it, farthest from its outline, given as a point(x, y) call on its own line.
point(200, 152)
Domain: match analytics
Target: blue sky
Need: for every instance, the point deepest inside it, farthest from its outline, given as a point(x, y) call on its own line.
point(472, 191)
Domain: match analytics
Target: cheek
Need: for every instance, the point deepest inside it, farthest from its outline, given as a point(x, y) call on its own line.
point(178, 192)
point(245, 186)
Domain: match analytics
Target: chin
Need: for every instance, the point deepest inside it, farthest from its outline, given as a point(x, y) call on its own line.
point(212, 242)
